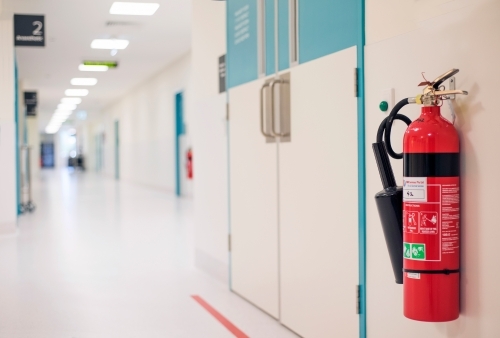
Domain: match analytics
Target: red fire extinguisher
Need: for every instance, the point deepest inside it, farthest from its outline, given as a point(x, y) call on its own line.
point(189, 164)
point(423, 217)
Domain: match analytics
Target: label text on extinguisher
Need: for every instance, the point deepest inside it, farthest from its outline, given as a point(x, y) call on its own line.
point(431, 219)
point(415, 189)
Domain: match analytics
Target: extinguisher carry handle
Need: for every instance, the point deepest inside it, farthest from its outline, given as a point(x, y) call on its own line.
point(443, 77)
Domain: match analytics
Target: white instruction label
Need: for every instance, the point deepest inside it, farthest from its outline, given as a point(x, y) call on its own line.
point(413, 275)
point(415, 189)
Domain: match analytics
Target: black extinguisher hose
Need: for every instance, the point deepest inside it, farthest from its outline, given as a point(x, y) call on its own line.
point(390, 200)
point(385, 128)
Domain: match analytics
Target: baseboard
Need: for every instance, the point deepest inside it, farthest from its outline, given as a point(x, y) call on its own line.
point(212, 266)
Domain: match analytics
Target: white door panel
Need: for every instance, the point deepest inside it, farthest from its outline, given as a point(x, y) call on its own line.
point(318, 200)
point(254, 206)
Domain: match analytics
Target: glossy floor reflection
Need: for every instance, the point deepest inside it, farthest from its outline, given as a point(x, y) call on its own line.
point(105, 259)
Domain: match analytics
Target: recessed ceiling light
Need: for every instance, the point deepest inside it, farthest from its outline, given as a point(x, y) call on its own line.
point(84, 81)
point(51, 130)
point(82, 115)
point(76, 92)
point(66, 106)
point(109, 44)
point(133, 8)
point(84, 68)
point(71, 100)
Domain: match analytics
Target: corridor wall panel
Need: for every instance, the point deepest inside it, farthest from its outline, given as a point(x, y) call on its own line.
point(147, 120)
point(209, 133)
point(433, 37)
point(8, 198)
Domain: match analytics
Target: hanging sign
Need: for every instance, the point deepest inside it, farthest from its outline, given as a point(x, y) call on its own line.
point(109, 64)
point(30, 101)
point(222, 74)
point(29, 30)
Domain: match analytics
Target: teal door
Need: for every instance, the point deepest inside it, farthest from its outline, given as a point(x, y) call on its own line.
point(179, 131)
point(117, 150)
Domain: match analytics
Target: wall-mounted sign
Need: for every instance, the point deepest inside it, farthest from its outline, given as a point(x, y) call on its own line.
point(29, 30)
point(109, 64)
point(222, 74)
point(30, 101)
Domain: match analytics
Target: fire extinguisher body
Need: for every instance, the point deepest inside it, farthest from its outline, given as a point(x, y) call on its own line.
point(431, 218)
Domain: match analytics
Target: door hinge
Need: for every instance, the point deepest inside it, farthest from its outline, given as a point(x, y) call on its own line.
point(227, 111)
point(356, 80)
point(229, 242)
point(358, 299)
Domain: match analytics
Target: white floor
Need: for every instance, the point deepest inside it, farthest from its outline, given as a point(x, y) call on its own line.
point(105, 259)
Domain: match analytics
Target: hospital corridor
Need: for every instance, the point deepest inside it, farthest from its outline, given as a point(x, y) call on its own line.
point(249, 168)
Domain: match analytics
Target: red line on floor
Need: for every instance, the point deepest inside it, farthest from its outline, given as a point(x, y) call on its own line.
point(220, 318)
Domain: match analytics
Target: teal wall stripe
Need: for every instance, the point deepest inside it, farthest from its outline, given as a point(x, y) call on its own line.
point(242, 61)
point(228, 128)
point(326, 27)
point(361, 165)
point(283, 36)
point(269, 43)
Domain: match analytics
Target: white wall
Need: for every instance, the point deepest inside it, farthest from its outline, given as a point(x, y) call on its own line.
point(210, 139)
point(8, 208)
point(147, 120)
point(405, 38)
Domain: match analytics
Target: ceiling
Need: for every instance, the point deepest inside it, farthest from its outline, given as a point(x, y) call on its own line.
point(70, 27)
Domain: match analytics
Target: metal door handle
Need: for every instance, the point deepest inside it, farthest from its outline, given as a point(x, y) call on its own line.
point(262, 123)
point(273, 117)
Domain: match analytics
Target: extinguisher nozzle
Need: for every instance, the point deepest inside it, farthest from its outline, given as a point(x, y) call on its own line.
point(390, 205)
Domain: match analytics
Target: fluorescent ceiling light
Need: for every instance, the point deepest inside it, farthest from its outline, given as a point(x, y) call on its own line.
point(60, 117)
point(83, 82)
point(109, 44)
point(82, 115)
point(133, 8)
point(63, 112)
point(71, 100)
point(76, 92)
point(66, 106)
point(84, 68)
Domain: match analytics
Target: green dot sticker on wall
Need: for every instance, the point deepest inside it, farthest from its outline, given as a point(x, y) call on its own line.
point(384, 106)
